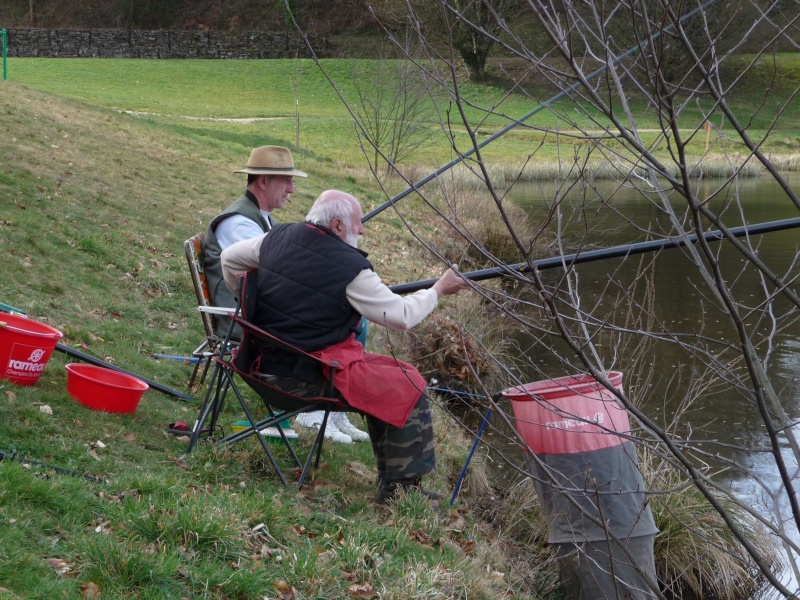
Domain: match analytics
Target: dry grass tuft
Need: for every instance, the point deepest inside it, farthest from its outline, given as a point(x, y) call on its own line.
point(711, 165)
point(516, 513)
point(451, 457)
point(476, 213)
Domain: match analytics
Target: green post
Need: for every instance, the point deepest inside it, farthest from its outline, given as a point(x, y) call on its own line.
point(4, 35)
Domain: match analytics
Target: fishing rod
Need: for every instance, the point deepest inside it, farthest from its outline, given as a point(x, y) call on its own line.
point(521, 120)
point(606, 253)
point(13, 457)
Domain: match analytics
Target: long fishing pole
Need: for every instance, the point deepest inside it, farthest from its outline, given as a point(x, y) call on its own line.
point(13, 457)
point(606, 253)
point(521, 120)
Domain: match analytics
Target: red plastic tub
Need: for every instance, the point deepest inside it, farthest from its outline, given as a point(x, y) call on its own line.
point(103, 389)
point(25, 348)
point(568, 414)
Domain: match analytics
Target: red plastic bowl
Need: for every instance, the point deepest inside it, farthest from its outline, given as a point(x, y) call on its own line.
point(103, 389)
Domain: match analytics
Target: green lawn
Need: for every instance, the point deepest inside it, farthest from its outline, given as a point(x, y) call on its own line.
point(285, 90)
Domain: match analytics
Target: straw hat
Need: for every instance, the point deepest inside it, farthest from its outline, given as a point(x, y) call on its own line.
point(271, 160)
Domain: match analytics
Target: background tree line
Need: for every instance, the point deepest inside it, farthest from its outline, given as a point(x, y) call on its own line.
point(473, 28)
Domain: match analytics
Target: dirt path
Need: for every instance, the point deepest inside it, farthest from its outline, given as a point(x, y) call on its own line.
point(242, 120)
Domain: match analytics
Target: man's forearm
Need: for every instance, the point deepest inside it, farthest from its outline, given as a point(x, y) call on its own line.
point(373, 300)
point(239, 258)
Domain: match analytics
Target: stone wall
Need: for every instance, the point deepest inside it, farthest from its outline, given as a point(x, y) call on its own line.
point(116, 43)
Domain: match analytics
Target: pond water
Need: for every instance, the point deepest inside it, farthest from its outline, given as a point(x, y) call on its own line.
point(724, 423)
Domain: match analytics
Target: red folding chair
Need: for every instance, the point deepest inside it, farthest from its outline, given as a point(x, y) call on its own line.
point(280, 404)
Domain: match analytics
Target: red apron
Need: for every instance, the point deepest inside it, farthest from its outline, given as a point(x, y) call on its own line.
point(378, 385)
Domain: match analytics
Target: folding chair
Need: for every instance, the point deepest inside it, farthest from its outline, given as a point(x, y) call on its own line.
point(279, 403)
point(194, 256)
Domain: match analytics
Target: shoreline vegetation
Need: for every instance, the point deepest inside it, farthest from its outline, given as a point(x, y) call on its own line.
point(714, 166)
point(94, 208)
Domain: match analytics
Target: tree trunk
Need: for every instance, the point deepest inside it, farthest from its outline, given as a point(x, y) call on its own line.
point(475, 60)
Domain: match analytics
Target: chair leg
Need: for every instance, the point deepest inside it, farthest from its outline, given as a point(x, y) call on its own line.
point(322, 429)
point(207, 361)
point(254, 425)
point(210, 407)
point(316, 448)
point(194, 372)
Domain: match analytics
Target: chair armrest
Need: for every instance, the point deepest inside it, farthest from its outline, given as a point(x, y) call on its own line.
point(216, 310)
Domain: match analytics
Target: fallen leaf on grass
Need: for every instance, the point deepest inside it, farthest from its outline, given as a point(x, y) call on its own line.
point(6, 591)
point(457, 522)
point(90, 590)
point(303, 531)
point(360, 470)
point(323, 556)
point(467, 545)
point(286, 591)
point(361, 590)
point(129, 437)
point(11, 396)
point(120, 496)
point(59, 565)
point(44, 408)
point(103, 527)
point(181, 462)
point(421, 537)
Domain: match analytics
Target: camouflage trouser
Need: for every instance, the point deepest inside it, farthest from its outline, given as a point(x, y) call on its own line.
point(404, 452)
point(400, 452)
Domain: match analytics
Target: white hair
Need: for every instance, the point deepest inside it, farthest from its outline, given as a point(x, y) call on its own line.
point(331, 204)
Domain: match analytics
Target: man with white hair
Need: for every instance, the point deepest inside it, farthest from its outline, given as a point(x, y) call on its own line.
point(314, 285)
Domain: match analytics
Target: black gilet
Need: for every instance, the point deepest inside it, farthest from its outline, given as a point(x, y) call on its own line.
point(303, 274)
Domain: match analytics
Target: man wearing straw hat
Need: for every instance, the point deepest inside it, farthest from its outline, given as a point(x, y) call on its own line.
point(269, 170)
point(269, 183)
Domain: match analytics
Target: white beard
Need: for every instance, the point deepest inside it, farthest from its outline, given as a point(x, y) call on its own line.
point(351, 239)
